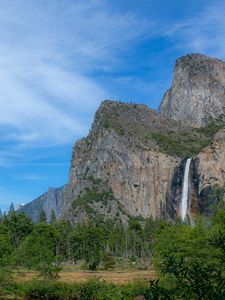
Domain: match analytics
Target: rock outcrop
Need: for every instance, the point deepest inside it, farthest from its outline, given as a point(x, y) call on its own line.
point(197, 94)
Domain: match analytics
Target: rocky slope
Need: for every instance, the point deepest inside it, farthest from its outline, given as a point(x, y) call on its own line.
point(197, 94)
point(132, 162)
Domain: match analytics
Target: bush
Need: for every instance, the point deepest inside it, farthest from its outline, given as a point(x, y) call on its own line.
point(93, 289)
point(7, 284)
point(38, 289)
point(93, 264)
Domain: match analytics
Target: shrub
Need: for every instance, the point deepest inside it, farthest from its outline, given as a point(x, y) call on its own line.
point(38, 289)
point(7, 284)
point(94, 289)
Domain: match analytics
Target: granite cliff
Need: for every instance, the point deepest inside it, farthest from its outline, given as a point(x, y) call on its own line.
point(132, 161)
point(197, 94)
point(208, 176)
point(51, 201)
point(121, 155)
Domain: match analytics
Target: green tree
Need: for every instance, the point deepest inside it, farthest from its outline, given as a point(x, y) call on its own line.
point(7, 261)
point(52, 217)
point(6, 250)
point(108, 261)
point(39, 250)
point(11, 208)
point(42, 217)
point(1, 216)
point(136, 238)
point(63, 246)
point(88, 241)
point(195, 279)
point(17, 226)
point(182, 240)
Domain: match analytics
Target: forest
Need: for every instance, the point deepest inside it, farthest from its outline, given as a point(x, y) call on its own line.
point(189, 260)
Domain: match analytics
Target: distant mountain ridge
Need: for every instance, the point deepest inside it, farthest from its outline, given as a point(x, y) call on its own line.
point(132, 161)
point(49, 201)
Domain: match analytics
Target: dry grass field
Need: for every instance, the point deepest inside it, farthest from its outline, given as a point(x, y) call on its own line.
point(120, 277)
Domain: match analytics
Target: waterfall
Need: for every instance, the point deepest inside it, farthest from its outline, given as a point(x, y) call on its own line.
point(184, 199)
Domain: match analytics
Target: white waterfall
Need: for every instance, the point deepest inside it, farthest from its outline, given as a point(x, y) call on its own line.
point(184, 200)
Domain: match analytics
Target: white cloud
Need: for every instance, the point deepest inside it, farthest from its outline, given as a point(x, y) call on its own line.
point(48, 51)
point(29, 177)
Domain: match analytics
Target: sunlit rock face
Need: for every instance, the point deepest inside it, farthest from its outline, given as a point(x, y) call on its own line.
point(197, 94)
point(125, 168)
point(138, 174)
point(139, 180)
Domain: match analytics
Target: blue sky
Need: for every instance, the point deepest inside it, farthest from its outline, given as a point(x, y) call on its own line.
point(60, 59)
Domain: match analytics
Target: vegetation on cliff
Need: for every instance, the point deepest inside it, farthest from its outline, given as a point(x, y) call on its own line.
point(141, 127)
point(90, 197)
point(189, 142)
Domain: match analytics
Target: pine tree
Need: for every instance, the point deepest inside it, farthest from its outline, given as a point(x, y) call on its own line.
point(53, 217)
point(42, 217)
point(11, 208)
point(11, 213)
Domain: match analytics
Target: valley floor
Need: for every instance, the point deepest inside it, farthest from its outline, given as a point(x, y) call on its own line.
point(120, 277)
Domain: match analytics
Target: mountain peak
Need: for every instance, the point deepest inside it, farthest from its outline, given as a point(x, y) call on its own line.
point(197, 94)
point(196, 57)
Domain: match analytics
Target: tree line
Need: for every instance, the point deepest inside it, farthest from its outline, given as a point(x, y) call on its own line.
point(189, 259)
point(41, 246)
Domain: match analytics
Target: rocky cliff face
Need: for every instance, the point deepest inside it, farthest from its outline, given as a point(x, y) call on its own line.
point(123, 153)
point(138, 175)
point(197, 94)
point(208, 176)
point(212, 162)
point(49, 201)
point(132, 162)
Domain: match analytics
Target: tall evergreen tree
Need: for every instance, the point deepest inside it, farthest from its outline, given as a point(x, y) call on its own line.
point(52, 217)
point(11, 208)
point(1, 216)
point(42, 217)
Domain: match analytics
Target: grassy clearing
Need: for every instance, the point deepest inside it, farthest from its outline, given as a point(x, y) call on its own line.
point(118, 277)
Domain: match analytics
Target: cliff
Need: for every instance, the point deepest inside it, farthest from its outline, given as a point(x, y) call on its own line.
point(49, 201)
point(132, 162)
point(208, 176)
point(121, 155)
point(140, 157)
point(197, 94)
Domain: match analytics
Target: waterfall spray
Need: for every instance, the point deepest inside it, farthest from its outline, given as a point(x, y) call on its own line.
point(184, 200)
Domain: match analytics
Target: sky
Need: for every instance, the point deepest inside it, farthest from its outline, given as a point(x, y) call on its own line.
point(60, 59)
